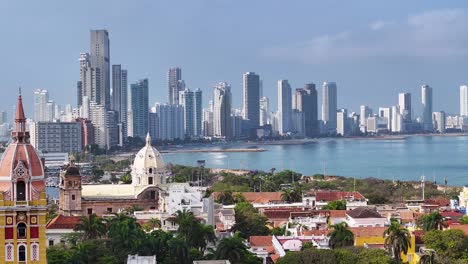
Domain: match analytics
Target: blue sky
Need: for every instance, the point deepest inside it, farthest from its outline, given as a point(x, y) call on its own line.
point(372, 49)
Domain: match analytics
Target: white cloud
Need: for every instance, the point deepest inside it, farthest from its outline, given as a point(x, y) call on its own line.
point(377, 25)
point(435, 34)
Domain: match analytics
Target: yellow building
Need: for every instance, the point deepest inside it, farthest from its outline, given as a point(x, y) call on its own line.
point(372, 237)
point(23, 204)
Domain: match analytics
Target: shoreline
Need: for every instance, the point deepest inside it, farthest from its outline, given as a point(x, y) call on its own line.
point(168, 151)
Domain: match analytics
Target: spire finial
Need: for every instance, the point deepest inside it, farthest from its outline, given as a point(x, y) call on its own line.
point(148, 139)
point(19, 90)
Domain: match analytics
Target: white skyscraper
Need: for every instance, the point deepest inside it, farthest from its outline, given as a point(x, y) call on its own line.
point(342, 122)
point(222, 123)
point(264, 102)
point(426, 100)
point(100, 61)
point(364, 114)
point(386, 112)
point(329, 106)
point(396, 120)
point(404, 102)
point(439, 121)
point(284, 107)
point(50, 111)
point(464, 100)
point(167, 122)
point(41, 98)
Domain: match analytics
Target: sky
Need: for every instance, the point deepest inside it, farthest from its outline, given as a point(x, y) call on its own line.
point(373, 49)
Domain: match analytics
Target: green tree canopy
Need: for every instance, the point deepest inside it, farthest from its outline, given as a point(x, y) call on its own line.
point(341, 236)
point(248, 221)
point(448, 244)
point(335, 205)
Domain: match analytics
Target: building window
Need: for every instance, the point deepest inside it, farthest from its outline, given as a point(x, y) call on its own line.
point(150, 170)
point(109, 210)
point(73, 197)
point(90, 211)
point(20, 191)
point(21, 228)
point(9, 252)
point(150, 180)
point(22, 253)
point(51, 243)
point(35, 252)
point(153, 195)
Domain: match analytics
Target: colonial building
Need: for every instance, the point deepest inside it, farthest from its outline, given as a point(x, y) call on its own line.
point(148, 174)
point(23, 204)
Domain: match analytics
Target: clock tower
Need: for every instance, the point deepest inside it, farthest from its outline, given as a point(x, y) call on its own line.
point(23, 204)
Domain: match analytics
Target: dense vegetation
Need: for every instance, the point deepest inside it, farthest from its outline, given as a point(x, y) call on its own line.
point(451, 246)
point(349, 255)
point(111, 240)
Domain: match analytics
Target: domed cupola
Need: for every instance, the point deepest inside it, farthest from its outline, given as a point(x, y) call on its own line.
point(21, 169)
point(148, 167)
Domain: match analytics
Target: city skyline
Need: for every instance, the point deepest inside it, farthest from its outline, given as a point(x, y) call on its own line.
point(367, 84)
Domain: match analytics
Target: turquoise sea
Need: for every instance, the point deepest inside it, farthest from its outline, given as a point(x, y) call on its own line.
point(436, 157)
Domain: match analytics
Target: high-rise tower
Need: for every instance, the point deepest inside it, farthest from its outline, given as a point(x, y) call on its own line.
point(426, 98)
point(222, 123)
point(174, 84)
point(119, 98)
point(251, 107)
point(404, 102)
point(329, 106)
point(284, 107)
point(139, 95)
point(464, 100)
point(100, 61)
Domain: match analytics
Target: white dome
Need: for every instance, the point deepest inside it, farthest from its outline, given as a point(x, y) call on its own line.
point(148, 163)
point(148, 157)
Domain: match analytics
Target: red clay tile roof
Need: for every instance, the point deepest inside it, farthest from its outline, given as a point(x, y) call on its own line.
point(261, 241)
point(336, 196)
point(274, 257)
point(463, 228)
point(282, 213)
point(258, 197)
point(338, 213)
point(364, 212)
point(316, 232)
point(439, 201)
point(368, 231)
point(451, 214)
point(63, 222)
point(407, 216)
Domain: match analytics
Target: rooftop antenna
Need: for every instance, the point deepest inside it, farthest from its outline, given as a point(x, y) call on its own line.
point(423, 178)
point(354, 183)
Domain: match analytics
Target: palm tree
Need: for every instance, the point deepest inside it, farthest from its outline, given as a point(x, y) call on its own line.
point(341, 236)
point(179, 250)
point(126, 178)
point(432, 221)
point(225, 198)
point(92, 227)
point(397, 239)
point(428, 257)
point(152, 224)
point(231, 248)
point(287, 195)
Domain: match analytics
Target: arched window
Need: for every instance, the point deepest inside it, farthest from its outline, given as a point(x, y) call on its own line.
point(150, 170)
point(22, 253)
point(21, 229)
point(20, 191)
point(34, 251)
point(9, 252)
